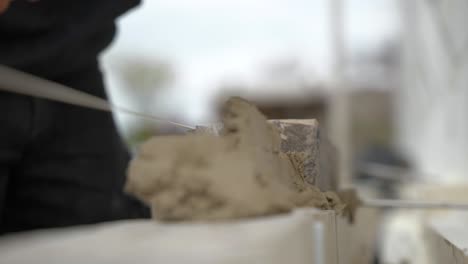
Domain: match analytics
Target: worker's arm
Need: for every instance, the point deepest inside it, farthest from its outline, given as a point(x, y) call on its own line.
point(4, 5)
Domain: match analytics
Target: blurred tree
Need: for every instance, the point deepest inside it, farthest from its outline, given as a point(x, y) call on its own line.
point(145, 74)
point(144, 80)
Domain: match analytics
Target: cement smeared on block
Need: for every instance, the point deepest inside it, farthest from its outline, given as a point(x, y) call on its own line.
point(240, 173)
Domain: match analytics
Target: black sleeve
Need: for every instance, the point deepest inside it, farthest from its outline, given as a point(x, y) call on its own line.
point(50, 38)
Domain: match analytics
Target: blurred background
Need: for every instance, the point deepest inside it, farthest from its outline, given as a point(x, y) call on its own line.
point(181, 58)
point(385, 78)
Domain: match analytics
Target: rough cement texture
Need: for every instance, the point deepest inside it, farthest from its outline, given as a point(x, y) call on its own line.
point(240, 173)
point(310, 152)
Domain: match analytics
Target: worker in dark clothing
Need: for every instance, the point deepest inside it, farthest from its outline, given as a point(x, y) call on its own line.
point(60, 165)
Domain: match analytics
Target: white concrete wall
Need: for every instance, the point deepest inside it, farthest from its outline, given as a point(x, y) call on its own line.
point(433, 103)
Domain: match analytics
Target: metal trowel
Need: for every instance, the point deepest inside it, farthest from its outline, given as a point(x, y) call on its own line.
point(15, 81)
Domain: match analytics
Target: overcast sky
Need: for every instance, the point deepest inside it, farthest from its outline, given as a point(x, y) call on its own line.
point(209, 41)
